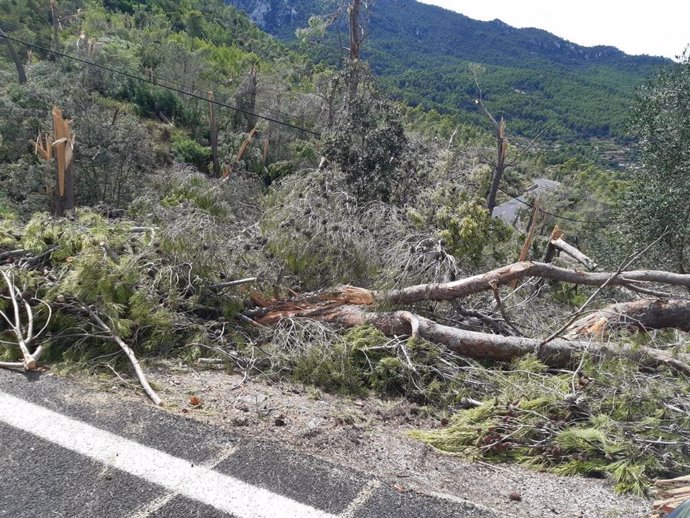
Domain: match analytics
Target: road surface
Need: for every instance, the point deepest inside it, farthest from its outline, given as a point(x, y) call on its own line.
point(68, 451)
point(508, 211)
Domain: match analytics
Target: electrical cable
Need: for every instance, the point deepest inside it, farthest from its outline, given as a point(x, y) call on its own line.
point(149, 81)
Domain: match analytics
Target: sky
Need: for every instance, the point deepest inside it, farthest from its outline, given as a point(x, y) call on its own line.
point(657, 28)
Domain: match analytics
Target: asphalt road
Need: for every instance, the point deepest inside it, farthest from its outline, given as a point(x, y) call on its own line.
point(508, 211)
point(68, 451)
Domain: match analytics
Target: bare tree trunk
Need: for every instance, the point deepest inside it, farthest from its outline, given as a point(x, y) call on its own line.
point(251, 101)
point(356, 31)
point(356, 39)
point(532, 227)
point(63, 146)
point(15, 57)
point(499, 167)
point(484, 346)
point(213, 135)
point(484, 282)
point(637, 315)
point(56, 33)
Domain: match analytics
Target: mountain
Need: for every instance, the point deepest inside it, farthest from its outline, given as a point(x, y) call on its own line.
point(423, 54)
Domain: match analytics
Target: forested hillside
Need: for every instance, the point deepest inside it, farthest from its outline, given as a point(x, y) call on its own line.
point(426, 55)
point(178, 186)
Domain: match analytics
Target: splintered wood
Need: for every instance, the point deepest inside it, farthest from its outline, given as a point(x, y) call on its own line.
point(670, 494)
point(61, 147)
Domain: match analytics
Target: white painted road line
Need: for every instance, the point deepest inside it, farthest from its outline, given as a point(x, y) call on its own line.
point(159, 503)
point(199, 483)
point(364, 495)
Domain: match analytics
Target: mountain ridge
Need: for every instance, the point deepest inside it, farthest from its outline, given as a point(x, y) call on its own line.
point(530, 75)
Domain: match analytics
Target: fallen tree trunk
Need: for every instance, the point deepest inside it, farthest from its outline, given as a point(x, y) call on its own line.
point(448, 291)
point(516, 271)
point(573, 252)
point(483, 346)
point(637, 315)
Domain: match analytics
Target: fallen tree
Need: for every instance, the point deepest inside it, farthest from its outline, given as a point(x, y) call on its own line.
point(482, 346)
point(352, 306)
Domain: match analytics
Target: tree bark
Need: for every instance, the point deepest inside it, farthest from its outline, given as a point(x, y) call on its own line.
point(213, 133)
point(637, 315)
point(251, 101)
point(15, 57)
point(56, 33)
point(484, 346)
point(506, 274)
point(356, 35)
point(499, 166)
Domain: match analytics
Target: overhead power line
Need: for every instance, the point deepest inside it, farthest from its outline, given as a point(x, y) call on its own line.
point(155, 83)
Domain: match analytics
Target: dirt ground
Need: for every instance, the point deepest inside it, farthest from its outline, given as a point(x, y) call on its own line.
point(371, 435)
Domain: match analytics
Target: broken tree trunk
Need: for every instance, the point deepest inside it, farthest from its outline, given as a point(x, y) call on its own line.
point(15, 57)
point(506, 274)
point(524, 251)
point(64, 148)
point(213, 133)
point(483, 346)
point(671, 494)
point(448, 291)
point(556, 243)
point(637, 315)
point(352, 306)
point(252, 86)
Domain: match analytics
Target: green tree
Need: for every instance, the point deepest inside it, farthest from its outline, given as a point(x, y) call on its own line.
point(368, 143)
point(658, 199)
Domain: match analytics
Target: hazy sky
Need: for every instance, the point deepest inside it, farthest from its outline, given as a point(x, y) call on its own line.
point(658, 27)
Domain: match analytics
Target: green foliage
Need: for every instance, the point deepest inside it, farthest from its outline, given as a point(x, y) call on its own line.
point(657, 202)
point(468, 229)
point(363, 360)
point(368, 144)
point(189, 151)
point(463, 224)
point(533, 78)
point(603, 424)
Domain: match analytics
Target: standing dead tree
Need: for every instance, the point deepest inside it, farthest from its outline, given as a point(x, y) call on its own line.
point(356, 29)
point(500, 165)
point(56, 25)
point(213, 133)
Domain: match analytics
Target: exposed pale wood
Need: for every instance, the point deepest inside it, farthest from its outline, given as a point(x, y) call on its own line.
point(524, 251)
point(245, 144)
point(22, 327)
point(637, 315)
point(238, 282)
point(573, 252)
point(550, 251)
